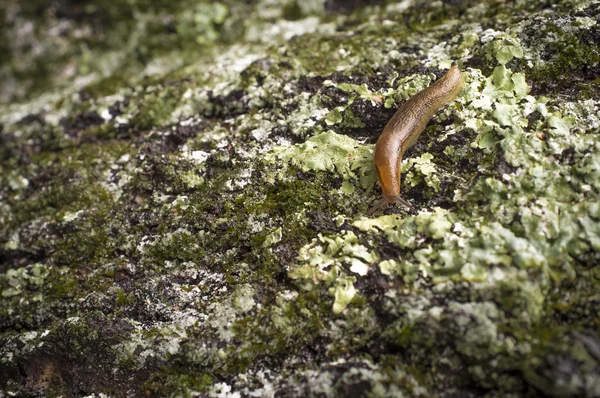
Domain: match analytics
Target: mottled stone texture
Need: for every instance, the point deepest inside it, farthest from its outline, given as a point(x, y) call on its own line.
point(184, 187)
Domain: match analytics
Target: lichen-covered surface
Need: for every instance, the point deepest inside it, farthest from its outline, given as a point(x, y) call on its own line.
point(184, 187)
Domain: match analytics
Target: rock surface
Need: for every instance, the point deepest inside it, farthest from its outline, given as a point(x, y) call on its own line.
point(184, 187)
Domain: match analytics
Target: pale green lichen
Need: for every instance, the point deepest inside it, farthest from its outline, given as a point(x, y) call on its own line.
point(422, 166)
point(326, 259)
point(504, 48)
point(22, 278)
point(332, 152)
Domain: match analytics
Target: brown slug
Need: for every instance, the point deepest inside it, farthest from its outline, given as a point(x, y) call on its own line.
point(403, 129)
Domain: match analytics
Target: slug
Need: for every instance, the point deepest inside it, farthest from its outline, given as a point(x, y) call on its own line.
point(403, 129)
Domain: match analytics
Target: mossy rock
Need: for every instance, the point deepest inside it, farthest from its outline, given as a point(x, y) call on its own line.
point(184, 190)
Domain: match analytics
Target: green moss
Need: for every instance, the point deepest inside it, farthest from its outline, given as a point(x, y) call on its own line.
point(285, 327)
point(574, 54)
point(123, 298)
point(176, 381)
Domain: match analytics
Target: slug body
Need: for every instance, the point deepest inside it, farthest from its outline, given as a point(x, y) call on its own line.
point(403, 129)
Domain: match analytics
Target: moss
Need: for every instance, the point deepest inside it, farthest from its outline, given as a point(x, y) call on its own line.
point(574, 54)
point(285, 327)
point(123, 299)
point(178, 383)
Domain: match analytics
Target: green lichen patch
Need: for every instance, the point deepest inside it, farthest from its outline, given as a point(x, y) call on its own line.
point(328, 260)
point(330, 152)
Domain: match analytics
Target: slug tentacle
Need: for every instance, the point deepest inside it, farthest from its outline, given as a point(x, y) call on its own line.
point(388, 200)
point(403, 129)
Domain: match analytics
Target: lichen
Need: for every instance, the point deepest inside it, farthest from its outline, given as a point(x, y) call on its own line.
point(326, 259)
